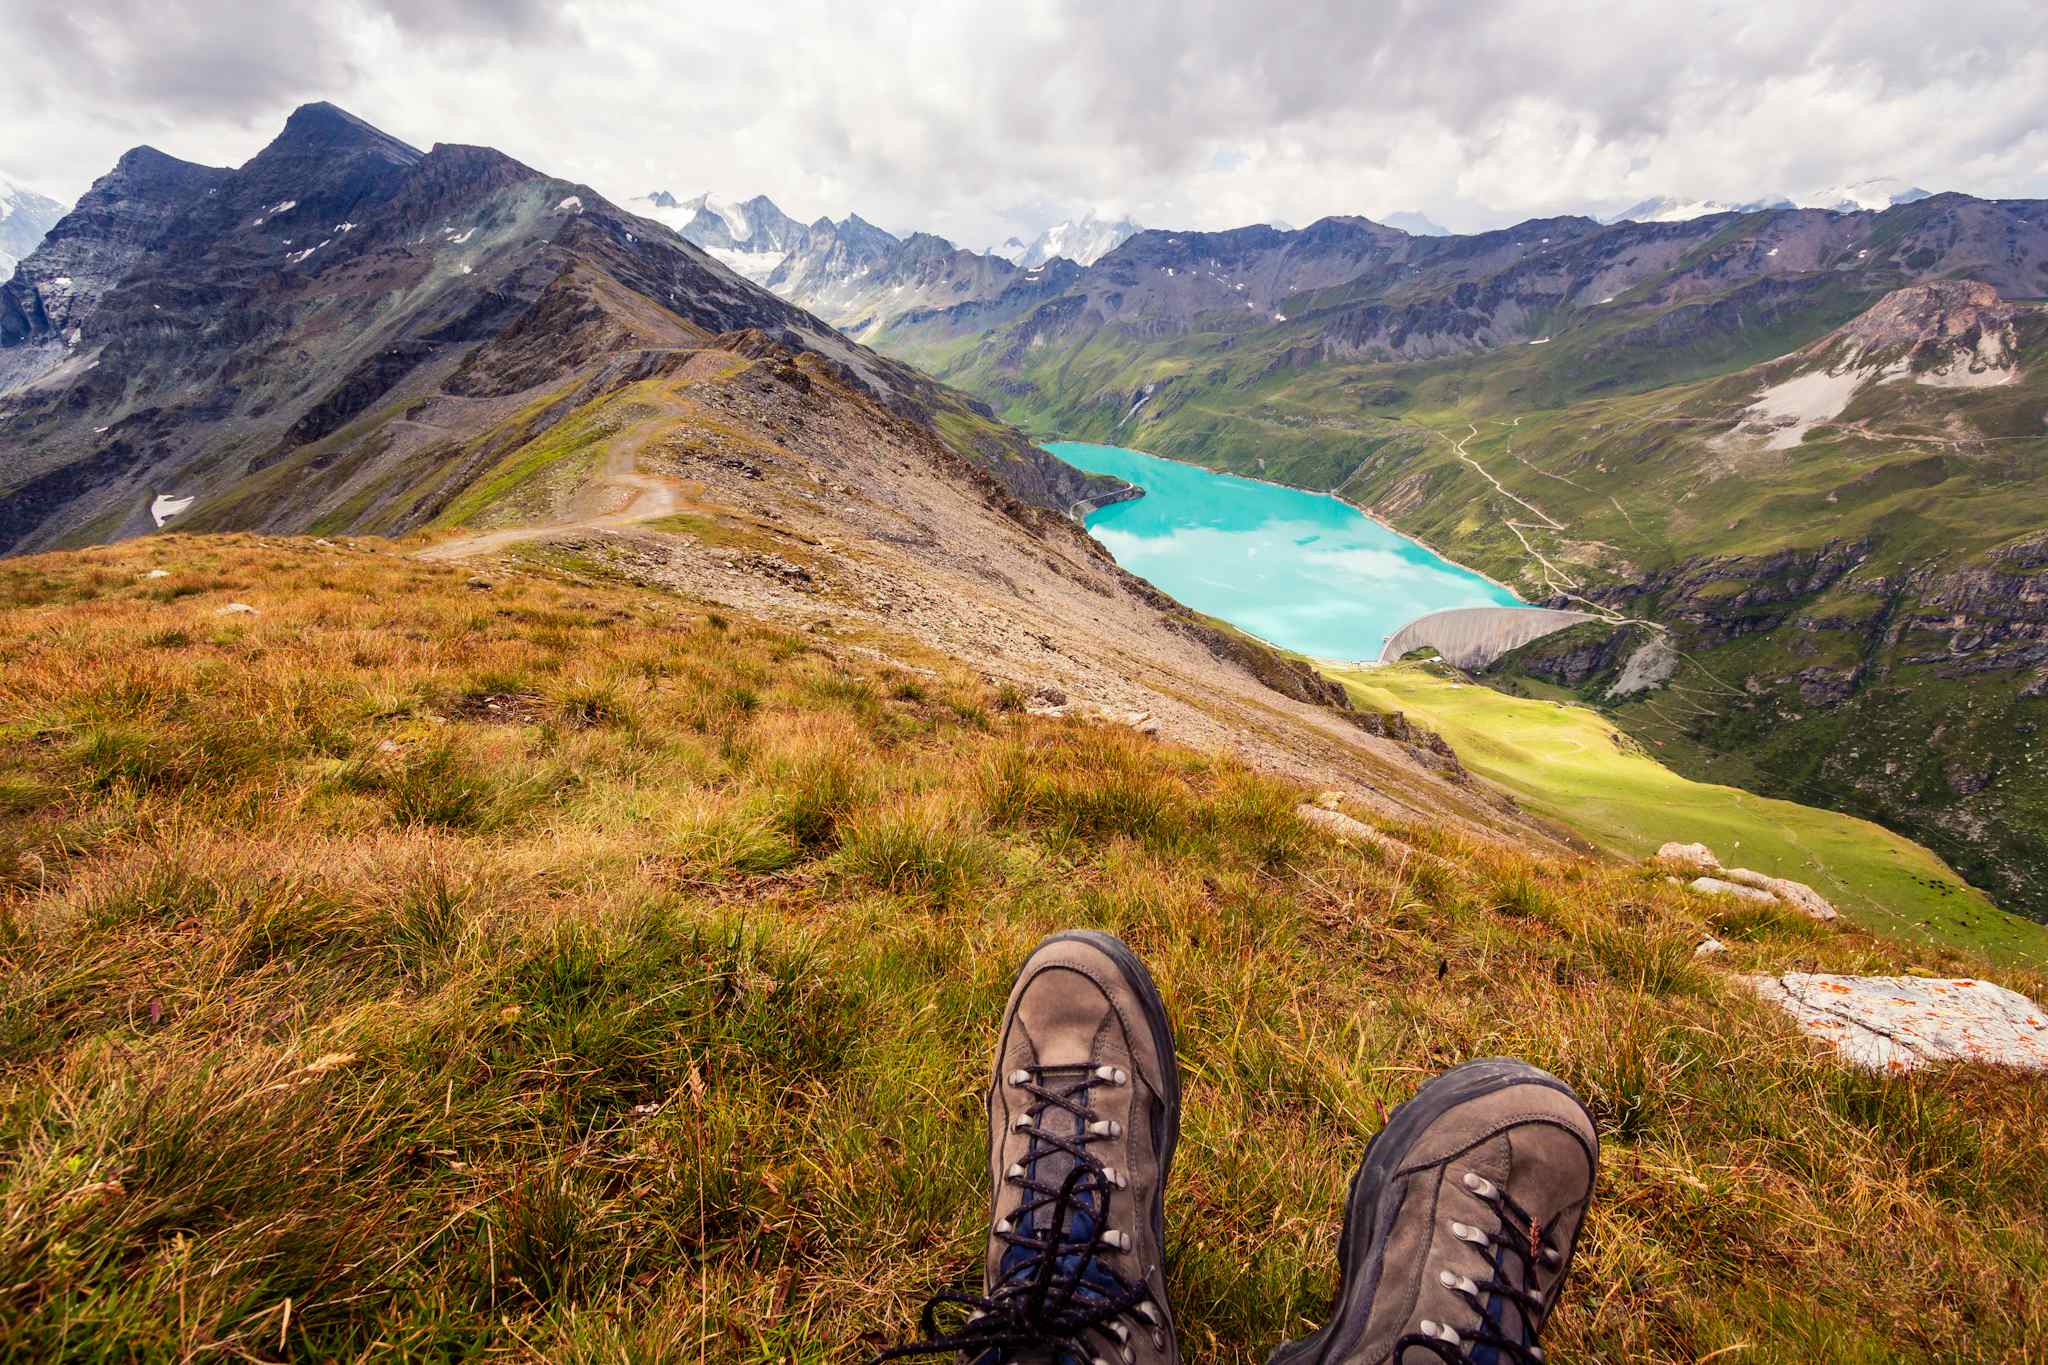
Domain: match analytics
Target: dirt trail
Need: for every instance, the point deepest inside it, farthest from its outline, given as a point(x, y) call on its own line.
point(648, 497)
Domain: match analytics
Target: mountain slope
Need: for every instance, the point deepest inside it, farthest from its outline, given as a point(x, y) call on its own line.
point(344, 308)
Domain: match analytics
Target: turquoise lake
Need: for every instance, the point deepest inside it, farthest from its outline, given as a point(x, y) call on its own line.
point(1301, 570)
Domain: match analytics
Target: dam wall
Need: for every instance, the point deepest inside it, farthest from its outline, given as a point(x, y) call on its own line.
point(1473, 637)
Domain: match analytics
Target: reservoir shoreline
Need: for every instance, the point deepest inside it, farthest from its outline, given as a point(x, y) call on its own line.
point(1365, 512)
point(1305, 570)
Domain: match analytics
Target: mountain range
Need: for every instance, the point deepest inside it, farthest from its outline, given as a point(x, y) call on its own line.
point(859, 276)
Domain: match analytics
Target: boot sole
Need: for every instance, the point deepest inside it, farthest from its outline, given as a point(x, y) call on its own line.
point(1361, 1247)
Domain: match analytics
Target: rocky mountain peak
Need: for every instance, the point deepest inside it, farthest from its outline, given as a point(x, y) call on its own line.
point(1933, 311)
point(1954, 333)
point(323, 127)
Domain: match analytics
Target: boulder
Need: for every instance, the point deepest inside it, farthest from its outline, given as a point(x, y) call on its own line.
point(236, 609)
point(1689, 855)
point(1346, 828)
point(1796, 894)
point(1714, 886)
point(1895, 1023)
point(1710, 947)
point(157, 573)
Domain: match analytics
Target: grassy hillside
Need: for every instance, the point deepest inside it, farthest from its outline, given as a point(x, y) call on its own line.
point(558, 970)
point(1571, 764)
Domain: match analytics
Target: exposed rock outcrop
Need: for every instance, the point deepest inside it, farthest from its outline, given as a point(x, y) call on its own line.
point(1715, 886)
point(1713, 879)
point(1896, 1023)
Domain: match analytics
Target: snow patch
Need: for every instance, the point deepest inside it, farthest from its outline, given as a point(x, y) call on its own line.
point(1792, 408)
point(282, 206)
point(458, 241)
point(751, 265)
point(165, 507)
point(62, 281)
point(570, 205)
point(344, 227)
point(1540, 341)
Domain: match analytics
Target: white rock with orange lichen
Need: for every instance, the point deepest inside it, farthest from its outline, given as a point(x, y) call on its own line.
point(1896, 1023)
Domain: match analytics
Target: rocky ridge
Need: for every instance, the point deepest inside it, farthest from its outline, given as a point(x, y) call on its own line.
point(354, 306)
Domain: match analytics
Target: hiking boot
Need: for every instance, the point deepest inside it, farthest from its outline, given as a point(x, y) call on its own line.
point(1083, 1112)
point(1460, 1224)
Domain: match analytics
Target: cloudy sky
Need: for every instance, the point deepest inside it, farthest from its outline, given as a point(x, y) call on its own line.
point(979, 120)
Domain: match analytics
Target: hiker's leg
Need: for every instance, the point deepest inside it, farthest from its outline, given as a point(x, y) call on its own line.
point(1460, 1223)
point(1083, 1112)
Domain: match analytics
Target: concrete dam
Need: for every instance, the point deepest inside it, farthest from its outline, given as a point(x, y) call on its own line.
point(1473, 637)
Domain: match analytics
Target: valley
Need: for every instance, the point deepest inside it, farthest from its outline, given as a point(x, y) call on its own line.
point(1830, 556)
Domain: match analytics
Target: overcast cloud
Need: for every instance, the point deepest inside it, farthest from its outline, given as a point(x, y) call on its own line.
point(977, 121)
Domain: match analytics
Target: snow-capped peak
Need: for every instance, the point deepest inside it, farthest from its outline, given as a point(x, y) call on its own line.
point(1860, 197)
point(1665, 208)
point(729, 210)
point(1084, 241)
point(24, 217)
point(1864, 195)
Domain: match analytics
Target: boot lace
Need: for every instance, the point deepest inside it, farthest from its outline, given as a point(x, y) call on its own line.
point(1057, 1299)
point(1529, 1248)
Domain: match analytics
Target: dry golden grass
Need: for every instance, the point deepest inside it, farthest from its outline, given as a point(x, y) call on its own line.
point(560, 971)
